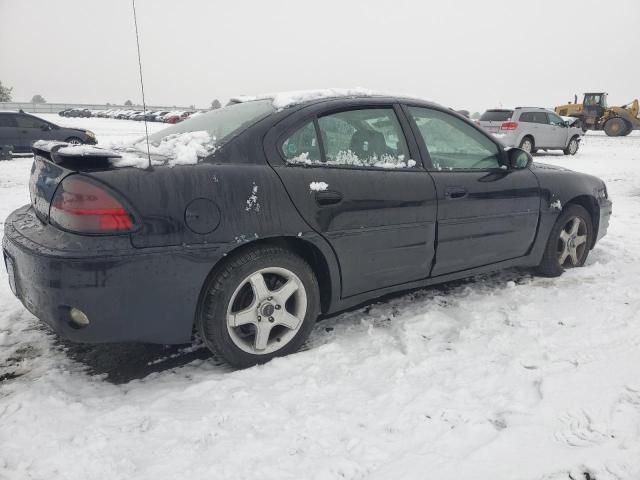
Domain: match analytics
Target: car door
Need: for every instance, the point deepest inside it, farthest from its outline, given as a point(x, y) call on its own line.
point(32, 129)
point(486, 213)
point(559, 131)
point(351, 174)
point(8, 130)
point(545, 131)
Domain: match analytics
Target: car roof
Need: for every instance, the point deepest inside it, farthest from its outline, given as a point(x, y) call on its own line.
point(533, 108)
point(288, 100)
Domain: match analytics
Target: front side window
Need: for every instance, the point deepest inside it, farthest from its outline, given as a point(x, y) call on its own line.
point(554, 119)
point(452, 143)
point(357, 138)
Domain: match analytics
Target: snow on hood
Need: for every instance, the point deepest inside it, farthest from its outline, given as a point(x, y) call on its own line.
point(283, 100)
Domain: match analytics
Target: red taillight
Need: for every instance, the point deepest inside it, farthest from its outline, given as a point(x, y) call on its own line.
point(509, 125)
point(81, 205)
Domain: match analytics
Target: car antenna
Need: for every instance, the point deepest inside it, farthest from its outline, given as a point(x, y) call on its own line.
point(144, 104)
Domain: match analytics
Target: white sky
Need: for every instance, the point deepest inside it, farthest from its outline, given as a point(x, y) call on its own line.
point(464, 54)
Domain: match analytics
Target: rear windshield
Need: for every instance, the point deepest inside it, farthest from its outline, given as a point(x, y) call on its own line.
point(220, 124)
point(496, 115)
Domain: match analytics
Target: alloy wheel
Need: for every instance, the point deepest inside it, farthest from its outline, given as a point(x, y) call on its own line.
point(572, 242)
point(266, 310)
point(527, 146)
point(573, 146)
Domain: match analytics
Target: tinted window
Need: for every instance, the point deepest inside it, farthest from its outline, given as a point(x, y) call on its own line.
point(533, 117)
point(6, 120)
point(453, 143)
point(302, 146)
point(27, 121)
point(526, 117)
point(496, 115)
point(367, 137)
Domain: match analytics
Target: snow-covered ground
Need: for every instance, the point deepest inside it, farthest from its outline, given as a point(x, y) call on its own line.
point(505, 376)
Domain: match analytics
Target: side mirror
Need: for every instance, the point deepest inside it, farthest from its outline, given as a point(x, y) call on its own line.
point(517, 159)
point(45, 128)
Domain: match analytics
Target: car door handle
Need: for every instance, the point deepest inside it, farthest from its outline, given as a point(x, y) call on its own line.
point(451, 193)
point(328, 197)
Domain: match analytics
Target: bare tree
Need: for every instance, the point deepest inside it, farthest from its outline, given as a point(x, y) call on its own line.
point(128, 103)
point(215, 104)
point(38, 99)
point(5, 93)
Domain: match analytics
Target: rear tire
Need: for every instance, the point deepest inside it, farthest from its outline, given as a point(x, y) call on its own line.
point(260, 304)
point(569, 242)
point(572, 147)
point(527, 144)
point(615, 127)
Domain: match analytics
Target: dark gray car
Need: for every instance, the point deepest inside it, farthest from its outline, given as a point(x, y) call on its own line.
point(20, 130)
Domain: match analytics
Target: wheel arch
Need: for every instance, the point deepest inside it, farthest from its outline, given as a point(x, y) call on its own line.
point(325, 269)
point(528, 135)
point(590, 204)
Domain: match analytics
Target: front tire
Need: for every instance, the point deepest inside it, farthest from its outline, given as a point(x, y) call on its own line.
point(572, 147)
point(259, 305)
point(569, 242)
point(527, 144)
point(74, 141)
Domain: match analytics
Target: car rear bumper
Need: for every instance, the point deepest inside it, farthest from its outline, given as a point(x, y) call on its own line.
point(128, 294)
point(507, 138)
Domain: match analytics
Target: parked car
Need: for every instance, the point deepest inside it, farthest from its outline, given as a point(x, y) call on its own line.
point(308, 208)
point(79, 112)
point(157, 116)
point(532, 129)
point(22, 129)
point(176, 117)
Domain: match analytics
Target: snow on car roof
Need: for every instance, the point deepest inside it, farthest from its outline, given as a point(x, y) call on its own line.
point(283, 100)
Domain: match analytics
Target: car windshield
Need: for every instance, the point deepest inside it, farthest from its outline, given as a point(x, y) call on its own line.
point(219, 124)
point(496, 115)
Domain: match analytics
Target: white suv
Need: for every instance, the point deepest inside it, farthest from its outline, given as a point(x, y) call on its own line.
point(532, 129)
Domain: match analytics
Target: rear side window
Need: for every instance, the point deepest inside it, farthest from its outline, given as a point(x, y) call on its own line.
point(357, 138)
point(6, 120)
point(533, 117)
point(27, 121)
point(452, 143)
point(496, 115)
point(302, 146)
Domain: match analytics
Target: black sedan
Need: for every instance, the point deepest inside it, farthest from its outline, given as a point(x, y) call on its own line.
point(283, 214)
point(21, 130)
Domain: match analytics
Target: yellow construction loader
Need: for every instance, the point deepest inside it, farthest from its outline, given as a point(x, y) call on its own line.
point(596, 115)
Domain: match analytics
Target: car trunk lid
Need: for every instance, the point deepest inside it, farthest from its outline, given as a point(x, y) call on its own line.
point(53, 161)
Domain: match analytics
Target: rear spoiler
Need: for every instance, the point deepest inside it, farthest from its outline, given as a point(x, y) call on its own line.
point(61, 153)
